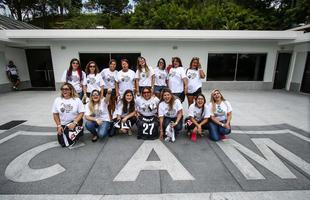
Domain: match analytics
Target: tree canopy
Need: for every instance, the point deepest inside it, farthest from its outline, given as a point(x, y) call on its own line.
point(162, 14)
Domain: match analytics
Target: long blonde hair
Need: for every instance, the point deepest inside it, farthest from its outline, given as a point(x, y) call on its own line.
point(139, 67)
point(72, 90)
point(213, 101)
point(92, 104)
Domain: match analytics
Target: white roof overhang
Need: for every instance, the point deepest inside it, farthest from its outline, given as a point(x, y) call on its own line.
point(25, 36)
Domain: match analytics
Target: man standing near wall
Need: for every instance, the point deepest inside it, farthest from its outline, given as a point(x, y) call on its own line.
point(11, 72)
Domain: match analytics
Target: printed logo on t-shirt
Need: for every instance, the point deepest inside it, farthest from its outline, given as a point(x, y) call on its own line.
point(98, 113)
point(172, 73)
point(75, 79)
point(161, 76)
point(110, 79)
point(191, 75)
point(148, 107)
point(219, 111)
point(91, 81)
point(143, 75)
point(66, 108)
point(125, 79)
point(171, 113)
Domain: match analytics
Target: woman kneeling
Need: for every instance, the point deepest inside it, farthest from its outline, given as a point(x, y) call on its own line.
point(198, 116)
point(170, 112)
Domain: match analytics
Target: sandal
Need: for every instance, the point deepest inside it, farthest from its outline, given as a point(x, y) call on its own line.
point(94, 139)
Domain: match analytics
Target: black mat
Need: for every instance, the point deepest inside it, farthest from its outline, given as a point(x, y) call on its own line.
point(11, 124)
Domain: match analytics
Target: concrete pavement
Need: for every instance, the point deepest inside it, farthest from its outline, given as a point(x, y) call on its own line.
point(267, 155)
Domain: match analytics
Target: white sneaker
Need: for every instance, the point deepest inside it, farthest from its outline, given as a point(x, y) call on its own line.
point(125, 126)
point(116, 125)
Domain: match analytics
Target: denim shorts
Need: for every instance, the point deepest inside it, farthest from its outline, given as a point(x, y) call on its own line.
point(158, 89)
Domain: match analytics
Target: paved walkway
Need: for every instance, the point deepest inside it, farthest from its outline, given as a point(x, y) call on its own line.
point(266, 157)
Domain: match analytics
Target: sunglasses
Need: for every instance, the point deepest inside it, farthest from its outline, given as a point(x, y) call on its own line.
point(95, 95)
point(75, 63)
point(65, 89)
point(92, 65)
point(146, 92)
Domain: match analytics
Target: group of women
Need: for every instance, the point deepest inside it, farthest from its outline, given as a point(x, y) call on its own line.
point(150, 98)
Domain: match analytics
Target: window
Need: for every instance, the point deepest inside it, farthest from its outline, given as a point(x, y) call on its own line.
point(102, 59)
point(239, 67)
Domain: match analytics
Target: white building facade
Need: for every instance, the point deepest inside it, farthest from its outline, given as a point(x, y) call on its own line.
point(231, 59)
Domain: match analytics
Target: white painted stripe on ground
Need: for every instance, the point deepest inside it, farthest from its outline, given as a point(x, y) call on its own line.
point(26, 133)
point(260, 195)
point(1, 131)
point(273, 132)
point(19, 171)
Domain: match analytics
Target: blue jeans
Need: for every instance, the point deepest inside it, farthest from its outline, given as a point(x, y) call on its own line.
point(81, 94)
point(217, 130)
point(100, 130)
point(177, 128)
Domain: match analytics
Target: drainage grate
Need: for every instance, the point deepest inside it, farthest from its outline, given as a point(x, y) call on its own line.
point(11, 124)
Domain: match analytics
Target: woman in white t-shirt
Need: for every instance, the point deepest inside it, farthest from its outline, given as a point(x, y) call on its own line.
point(124, 116)
point(76, 77)
point(221, 113)
point(109, 76)
point(146, 106)
point(144, 75)
point(160, 77)
point(177, 80)
point(125, 79)
point(198, 117)
point(68, 109)
point(194, 75)
point(170, 112)
point(93, 78)
point(97, 115)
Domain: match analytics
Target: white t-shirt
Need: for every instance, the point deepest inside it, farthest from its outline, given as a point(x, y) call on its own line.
point(163, 109)
point(109, 78)
point(194, 81)
point(75, 80)
point(100, 112)
point(175, 79)
point(221, 110)
point(11, 69)
point(93, 82)
point(125, 80)
point(160, 77)
point(119, 110)
point(68, 109)
point(147, 107)
point(196, 113)
point(145, 80)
